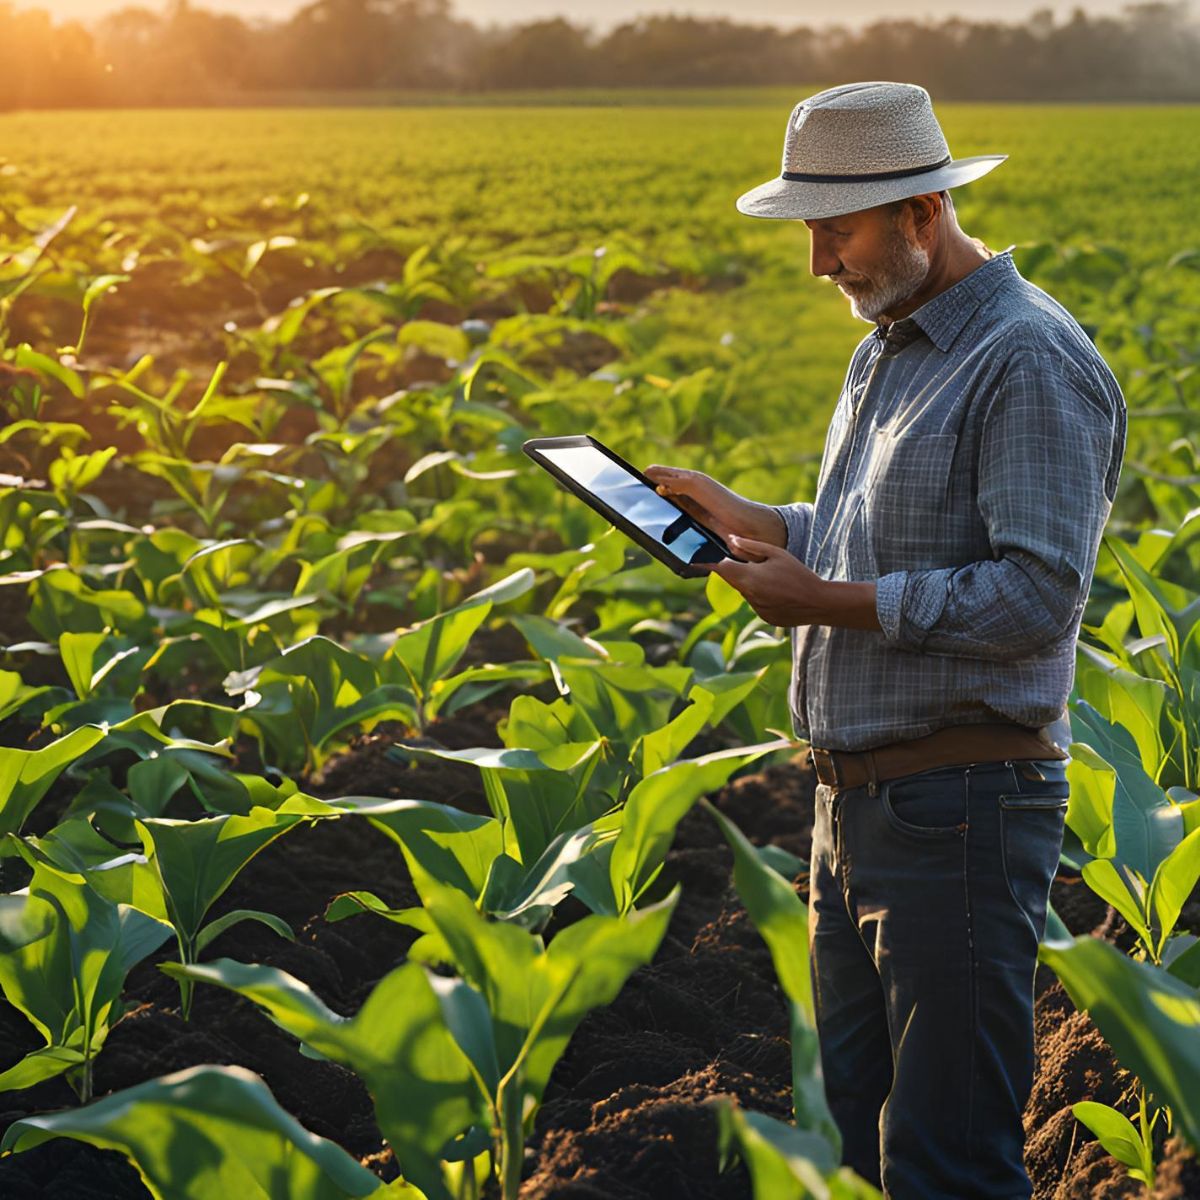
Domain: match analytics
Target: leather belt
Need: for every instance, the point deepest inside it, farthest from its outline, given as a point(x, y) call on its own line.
point(952, 746)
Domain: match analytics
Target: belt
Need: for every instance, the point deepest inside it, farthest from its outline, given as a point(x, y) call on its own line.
point(952, 746)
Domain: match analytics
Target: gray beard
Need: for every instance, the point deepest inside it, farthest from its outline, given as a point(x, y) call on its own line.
point(900, 276)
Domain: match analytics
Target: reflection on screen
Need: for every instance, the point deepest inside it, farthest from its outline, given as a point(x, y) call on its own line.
point(634, 501)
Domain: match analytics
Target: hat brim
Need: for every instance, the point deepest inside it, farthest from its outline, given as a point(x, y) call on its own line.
point(789, 199)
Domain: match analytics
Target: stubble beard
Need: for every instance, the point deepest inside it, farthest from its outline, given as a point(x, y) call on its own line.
point(897, 278)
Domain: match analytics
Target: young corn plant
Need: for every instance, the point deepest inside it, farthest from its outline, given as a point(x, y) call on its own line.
point(560, 833)
point(399, 1043)
point(194, 862)
point(800, 1159)
point(423, 657)
point(1139, 849)
point(1148, 1015)
point(466, 851)
point(458, 1065)
point(1144, 680)
point(298, 701)
point(65, 951)
point(208, 1133)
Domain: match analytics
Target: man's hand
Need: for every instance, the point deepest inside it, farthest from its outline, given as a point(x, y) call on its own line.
point(724, 512)
point(784, 592)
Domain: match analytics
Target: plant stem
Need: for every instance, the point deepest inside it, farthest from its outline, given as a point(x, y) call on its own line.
point(512, 1140)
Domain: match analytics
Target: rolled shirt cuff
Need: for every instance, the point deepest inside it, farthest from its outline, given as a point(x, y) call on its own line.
point(797, 519)
point(910, 603)
point(889, 594)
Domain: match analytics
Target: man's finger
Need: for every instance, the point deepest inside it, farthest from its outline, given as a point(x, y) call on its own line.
point(726, 568)
point(752, 549)
point(736, 574)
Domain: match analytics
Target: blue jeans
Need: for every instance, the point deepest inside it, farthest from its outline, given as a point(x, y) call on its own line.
point(928, 900)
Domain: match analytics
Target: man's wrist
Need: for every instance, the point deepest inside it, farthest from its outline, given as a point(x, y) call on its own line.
point(770, 525)
point(848, 604)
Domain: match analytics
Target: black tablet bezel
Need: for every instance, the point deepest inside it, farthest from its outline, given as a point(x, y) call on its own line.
point(653, 547)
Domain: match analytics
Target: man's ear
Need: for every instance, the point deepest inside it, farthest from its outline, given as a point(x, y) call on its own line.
point(926, 211)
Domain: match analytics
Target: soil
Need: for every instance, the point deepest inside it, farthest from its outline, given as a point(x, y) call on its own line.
point(628, 1113)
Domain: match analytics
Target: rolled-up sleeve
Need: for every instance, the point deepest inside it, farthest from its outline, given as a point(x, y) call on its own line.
point(797, 518)
point(1049, 460)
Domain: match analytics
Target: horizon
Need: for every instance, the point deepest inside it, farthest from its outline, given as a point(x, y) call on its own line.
point(604, 15)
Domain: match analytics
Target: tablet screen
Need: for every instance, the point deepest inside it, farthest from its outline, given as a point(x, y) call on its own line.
point(635, 501)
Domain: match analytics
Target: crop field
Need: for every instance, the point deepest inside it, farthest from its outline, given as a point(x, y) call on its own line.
point(374, 821)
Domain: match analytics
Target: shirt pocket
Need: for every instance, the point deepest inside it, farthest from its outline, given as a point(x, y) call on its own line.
point(907, 498)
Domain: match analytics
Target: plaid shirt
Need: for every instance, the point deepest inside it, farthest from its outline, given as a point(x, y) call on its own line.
point(969, 469)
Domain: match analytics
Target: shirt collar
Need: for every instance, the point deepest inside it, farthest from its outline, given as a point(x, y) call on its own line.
point(942, 318)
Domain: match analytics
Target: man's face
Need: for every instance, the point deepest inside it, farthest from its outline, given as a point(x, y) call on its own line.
point(872, 256)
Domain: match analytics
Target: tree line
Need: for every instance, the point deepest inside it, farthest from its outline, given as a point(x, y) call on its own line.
point(184, 54)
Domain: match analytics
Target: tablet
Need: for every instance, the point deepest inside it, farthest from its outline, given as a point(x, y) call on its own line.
point(621, 493)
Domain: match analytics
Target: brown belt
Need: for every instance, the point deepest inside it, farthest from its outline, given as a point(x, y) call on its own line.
point(954, 745)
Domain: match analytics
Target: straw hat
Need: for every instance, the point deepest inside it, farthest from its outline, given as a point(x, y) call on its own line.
point(859, 145)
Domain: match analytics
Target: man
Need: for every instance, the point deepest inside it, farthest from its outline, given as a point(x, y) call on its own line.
point(935, 588)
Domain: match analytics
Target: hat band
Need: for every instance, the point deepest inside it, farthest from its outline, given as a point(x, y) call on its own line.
point(800, 177)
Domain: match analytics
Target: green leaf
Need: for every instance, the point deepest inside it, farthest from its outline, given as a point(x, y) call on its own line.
point(454, 847)
point(214, 929)
point(1173, 883)
point(78, 651)
point(27, 775)
point(217, 568)
point(1184, 963)
point(429, 651)
point(26, 358)
point(786, 1163)
point(1114, 1131)
point(781, 918)
point(1056, 929)
point(197, 860)
point(207, 1133)
point(300, 699)
point(536, 998)
point(657, 805)
point(421, 1082)
point(1146, 826)
point(1146, 1015)
point(534, 891)
point(65, 951)
point(1126, 699)
point(778, 913)
point(537, 796)
point(1090, 808)
point(352, 904)
point(1116, 889)
point(663, 746)
point(1163, 609)
point(723, 596)
point(552, 640)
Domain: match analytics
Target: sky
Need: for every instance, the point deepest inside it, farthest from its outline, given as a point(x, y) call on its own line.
point(604, 14)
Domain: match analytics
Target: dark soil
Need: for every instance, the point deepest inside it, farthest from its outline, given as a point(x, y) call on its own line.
point(628, 1112)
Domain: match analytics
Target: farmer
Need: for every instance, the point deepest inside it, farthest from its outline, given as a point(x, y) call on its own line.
point(934, 588)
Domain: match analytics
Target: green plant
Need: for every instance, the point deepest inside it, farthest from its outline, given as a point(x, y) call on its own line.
point(65, 951)
point(1147, 1014)
point(195, 861)
point(1131, 1146)
point(209, 1133)
point(399, 1044)
point(27, 775)
point(785, 1162)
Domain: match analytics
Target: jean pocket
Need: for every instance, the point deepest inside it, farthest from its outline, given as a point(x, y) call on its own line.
point(1031, 840)
point(929, 804)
